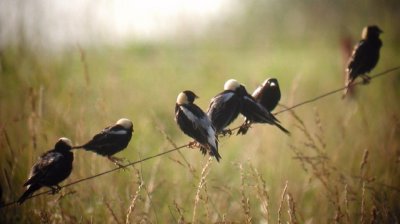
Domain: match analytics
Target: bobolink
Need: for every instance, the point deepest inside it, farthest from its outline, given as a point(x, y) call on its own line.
point(255, 112)
point(195, 123)
point(268, 95)
point(365, 55)
point(111, 140)
point(225, 107)
point(51, 168)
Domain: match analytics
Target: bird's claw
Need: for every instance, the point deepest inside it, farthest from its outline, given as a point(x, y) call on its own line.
point(117, 161)
point(243, 129)
point(193, 144)
point(55, 190)
point(120, 165)
point(226, 132)
point(366, 79)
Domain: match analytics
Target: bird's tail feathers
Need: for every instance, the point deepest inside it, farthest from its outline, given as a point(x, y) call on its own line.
point(282, 128)
point(32, 188)
point(212, 151)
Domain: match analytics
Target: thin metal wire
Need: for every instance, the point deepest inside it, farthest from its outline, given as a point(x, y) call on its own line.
point(99, 174)
point(183, 146)
point(386, 72)
point(337, 90)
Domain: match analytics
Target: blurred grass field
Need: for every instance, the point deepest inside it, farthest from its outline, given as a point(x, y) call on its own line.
point(340, 165)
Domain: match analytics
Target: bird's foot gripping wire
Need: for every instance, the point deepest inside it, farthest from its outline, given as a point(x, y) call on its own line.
point(243, 128)
point(117, 161)
point(55, 189)
point(226, 132)
point(193, 145)
point(366, 79)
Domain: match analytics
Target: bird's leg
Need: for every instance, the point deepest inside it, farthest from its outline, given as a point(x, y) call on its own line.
point(226, 132)
point(366, 79)
point(55, 189)
point(244, 128)
point(117, 161)
point(193, 144)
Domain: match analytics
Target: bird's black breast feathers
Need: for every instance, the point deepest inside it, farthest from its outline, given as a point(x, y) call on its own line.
point(268, 97)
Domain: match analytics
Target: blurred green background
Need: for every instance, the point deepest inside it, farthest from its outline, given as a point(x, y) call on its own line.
point(341, 163)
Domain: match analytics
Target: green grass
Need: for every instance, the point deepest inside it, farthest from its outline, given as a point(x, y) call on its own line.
point(45, 96)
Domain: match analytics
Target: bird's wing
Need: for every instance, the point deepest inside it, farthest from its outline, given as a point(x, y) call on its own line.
point(107, 137)
point(220, 100)
point(223, 109)
point(358, 58)
point(45, 163)
point(201, 124)
point(255, 111)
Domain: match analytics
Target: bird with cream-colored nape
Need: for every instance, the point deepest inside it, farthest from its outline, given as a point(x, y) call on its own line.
point(268, 95)
point(225, 107)
point(255, 112)
point(195, 123)
point(51, 168)
point(111, 140)
point(365, 56)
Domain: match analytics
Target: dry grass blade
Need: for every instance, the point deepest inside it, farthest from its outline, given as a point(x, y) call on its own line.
point(180, 211)
point(85, 65)
point(135, 197)
point(346, 203)
point(202, 182)
point(171, 141)
point(245, 202)
point(363, 164)
point(362, 219)
point(291, 208)
point(262, 193)
point(281, 203)
point(111, 210)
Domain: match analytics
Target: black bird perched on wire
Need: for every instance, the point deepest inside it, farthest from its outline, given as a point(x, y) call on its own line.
point(225, 107)
point(268, 95)
point(195, 123)
point(111, 140)
point(365, 55)
point(255, 112)
point(51, 168)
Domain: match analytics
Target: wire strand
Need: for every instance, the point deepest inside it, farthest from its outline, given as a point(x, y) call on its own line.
point(183, 146)
point(336, 90)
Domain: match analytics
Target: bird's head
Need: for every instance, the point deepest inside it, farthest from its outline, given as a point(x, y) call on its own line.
point(63, 144)
point(186, 97)
point(125, 123)
point(371, 31)
point(271, 82)
point(232, 85)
